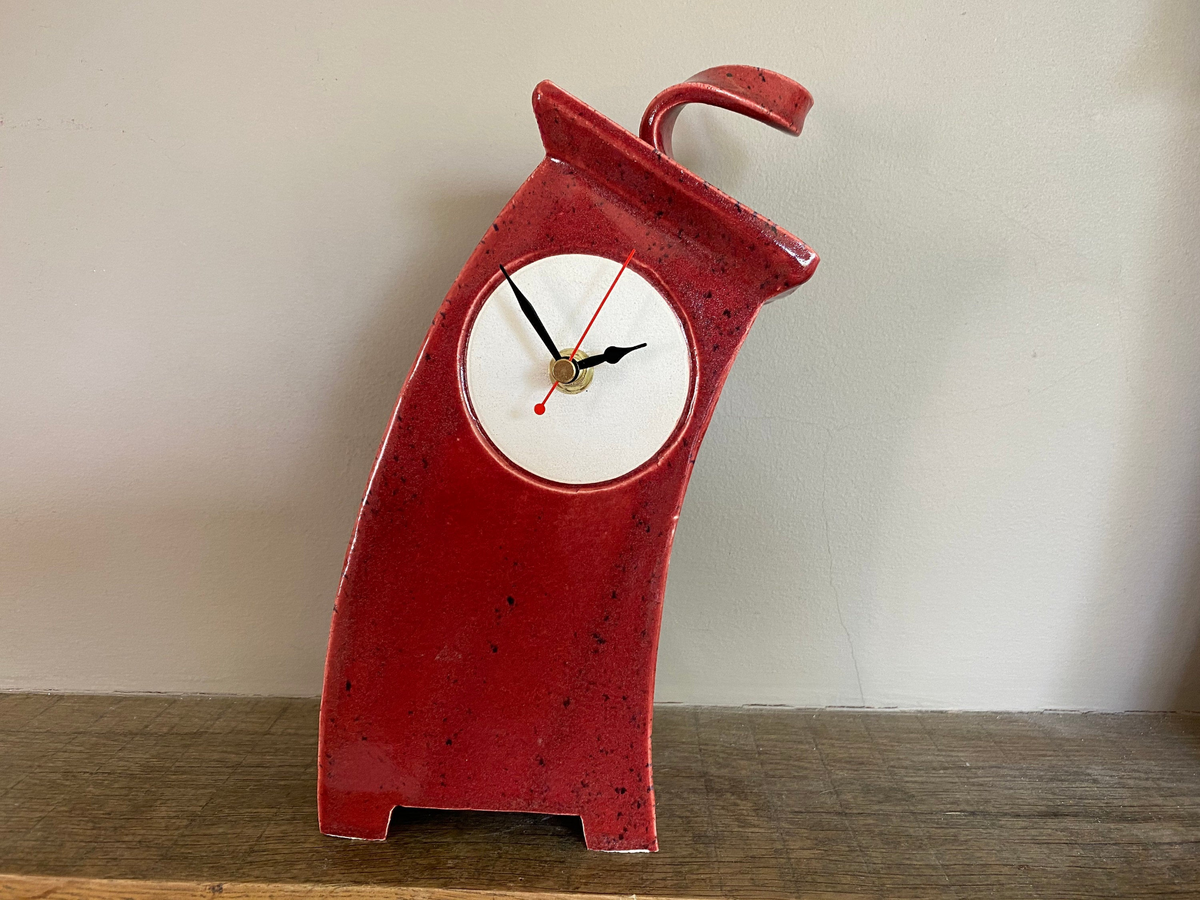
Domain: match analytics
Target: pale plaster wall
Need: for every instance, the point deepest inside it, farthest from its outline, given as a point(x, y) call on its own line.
point(959, 468)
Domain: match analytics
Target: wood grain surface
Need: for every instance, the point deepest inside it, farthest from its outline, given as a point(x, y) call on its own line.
point(156, 797)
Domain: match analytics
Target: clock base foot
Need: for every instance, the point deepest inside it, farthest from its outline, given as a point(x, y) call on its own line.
point(617, 834)
point(358, 816)
point(363, 817)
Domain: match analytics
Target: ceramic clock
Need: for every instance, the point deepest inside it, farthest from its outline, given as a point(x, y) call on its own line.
point(496, 627)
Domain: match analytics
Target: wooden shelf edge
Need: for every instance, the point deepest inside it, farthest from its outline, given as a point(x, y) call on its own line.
point(42, 887)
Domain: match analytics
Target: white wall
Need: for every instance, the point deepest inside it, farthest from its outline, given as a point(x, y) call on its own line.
point(224, 229)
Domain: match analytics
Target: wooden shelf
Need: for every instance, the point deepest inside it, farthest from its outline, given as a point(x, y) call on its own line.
point(190, 797)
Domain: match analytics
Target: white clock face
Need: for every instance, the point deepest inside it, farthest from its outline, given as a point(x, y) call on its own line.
point(631, 406)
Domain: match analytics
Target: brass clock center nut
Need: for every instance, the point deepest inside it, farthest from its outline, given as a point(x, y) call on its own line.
point(570, 378)
point(563, 371)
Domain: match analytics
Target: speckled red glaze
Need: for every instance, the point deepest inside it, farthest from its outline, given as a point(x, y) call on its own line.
point(758, 93)
point(494, 636)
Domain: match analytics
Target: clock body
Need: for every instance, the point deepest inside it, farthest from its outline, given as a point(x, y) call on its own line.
point(495, 632)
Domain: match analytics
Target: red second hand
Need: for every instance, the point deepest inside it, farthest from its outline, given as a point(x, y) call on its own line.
point(540, 408)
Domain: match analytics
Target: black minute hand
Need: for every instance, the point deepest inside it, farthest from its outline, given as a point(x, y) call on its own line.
point(532, 316)
point(611, 355)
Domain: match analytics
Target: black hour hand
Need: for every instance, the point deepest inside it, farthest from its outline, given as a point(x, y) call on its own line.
point(531, 314)
point(611, 355)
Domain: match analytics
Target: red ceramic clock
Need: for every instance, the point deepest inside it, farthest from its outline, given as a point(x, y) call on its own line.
point(495, 631)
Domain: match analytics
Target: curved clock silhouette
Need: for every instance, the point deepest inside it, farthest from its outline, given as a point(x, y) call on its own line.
point(496, 627)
